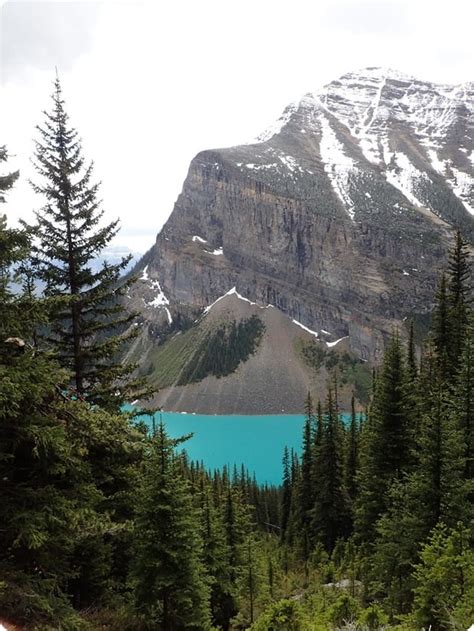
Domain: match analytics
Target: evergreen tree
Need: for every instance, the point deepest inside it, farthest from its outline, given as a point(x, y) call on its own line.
point(352, 456)
point(458, 294)
point(444, 590)
point(7, 180)
point(169, 578)
point(438, 477)
point(286, 493)
point(463, 398)
point(85, 329)
point(440, 329)
point(387, 444)
point(57, 500)
point(13, 249)
point(330, 510)
point(411, 354)
point(216, 559)
point(306, 496)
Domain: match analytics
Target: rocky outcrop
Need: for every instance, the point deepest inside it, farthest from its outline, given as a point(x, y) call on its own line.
point(340, 215)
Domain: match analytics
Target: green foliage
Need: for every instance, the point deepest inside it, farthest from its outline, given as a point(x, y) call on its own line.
point(387, 441)
point(168, 575)
point(373, 618)
point(8, 180)
point(330, 508)
point(350, 370)
point(444, 590)
point(285, 615)
point(344, 610)
point(221, 352)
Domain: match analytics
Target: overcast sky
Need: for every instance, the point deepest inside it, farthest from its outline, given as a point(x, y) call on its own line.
point(149, 84)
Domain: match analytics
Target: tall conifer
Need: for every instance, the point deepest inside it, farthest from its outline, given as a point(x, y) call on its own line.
point(68, 237)
point(387, 444)
point(168, 574)
point(330, 511)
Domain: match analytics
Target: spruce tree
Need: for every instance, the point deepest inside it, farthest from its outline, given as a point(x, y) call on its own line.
point(463, 398)
point(440, 332)
point(286, 494)
point(216, 558)
point(306, 496)
point(352, 456)
point(387, 443)
point(168, 574)
point(7, 180)
point(86, 330)
point(444, 589)
point(411, 353)
point(458, 295)
point(57, 500)
point(330, 511)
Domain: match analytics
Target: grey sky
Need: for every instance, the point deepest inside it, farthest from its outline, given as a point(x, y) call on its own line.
point(149, 84)
point(38, 35)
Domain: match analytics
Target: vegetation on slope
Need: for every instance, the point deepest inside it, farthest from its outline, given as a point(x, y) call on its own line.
point(222, 350)
point(349, 370)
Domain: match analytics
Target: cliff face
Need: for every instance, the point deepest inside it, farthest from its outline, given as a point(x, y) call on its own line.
point(339, 215)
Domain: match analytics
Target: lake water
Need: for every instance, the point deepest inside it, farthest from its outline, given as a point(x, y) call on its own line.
point(256, 441)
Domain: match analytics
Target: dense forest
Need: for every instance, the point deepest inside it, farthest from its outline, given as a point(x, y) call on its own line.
point(106, 525)
point(221, 352)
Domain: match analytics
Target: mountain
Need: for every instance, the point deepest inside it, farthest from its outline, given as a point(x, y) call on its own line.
point(339, 216)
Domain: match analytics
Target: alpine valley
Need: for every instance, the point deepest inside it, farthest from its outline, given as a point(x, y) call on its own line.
point(303, 250)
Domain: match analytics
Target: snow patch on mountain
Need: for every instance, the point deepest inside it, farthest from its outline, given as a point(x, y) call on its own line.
point(402, 174)
point(290, 162)
point(305, 328)
point(437, 164)
point(234, 292)
point(337, 164)
point(216, 252)
point(160, 300)
point(331, 344)
point(259, 167)
point(463, 187)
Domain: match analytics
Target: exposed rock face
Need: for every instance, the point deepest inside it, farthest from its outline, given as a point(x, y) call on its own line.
point(339, 215)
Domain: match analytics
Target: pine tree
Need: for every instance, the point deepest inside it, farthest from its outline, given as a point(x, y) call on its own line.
point(411, 354)
point(216, 559)
point(352, 456)
point(444, 590)
point(440, 329)
point(13, 249)
point(85, 329)
point(286, 494)
point(330, 510)
point(56, 499)
point(458, 290)
point(463, 398)
point(168, 574)
point(437, 481)
point(8, 180)
point(387, 444)
point(306, 496)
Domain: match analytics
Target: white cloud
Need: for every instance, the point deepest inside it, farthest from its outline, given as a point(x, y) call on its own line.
point(158, 82)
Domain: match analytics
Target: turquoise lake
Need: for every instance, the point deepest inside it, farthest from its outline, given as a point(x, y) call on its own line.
point(256, 441)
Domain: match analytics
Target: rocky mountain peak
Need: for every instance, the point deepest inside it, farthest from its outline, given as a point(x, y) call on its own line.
point(339, 215)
